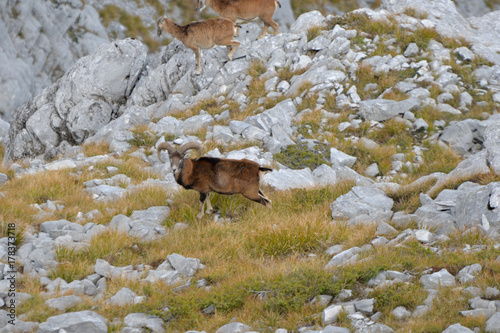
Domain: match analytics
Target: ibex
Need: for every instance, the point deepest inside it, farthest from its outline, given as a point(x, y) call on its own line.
point(219, 175)
point(240, 11)
point(204, 34)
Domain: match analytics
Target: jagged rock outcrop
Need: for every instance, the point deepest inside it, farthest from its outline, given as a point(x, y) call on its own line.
point(40, 41)
point(85, 99)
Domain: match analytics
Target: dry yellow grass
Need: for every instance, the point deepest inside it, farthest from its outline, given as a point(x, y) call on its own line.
point(277, 253)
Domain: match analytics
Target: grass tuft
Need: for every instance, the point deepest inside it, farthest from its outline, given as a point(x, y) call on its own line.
point(299, 156)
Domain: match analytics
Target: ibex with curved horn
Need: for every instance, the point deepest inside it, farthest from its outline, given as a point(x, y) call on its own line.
point(219, 175)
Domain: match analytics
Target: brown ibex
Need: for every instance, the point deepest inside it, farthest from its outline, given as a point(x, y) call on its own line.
point(240, 11)
point(204, 34)
point(219, 175)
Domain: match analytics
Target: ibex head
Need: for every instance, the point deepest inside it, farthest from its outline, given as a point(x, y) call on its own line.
point(177, 156)
point(200, 5)
point(159, 25)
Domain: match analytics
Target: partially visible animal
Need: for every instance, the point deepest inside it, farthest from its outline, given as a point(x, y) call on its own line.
point(219, 175)
point(242, 11)
point(202, 35)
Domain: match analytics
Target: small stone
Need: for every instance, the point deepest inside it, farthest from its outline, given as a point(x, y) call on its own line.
point(234, 328)
point(323, 300)
point(492, 293)
point(372, 170)
point(420, 125)
point(365, 306)
point(421, 311)
point(401, 313)
point(439, 279)
point(64, 302)
point(385, 229)
point(83, 321)
point(411, 50)
point(423, 236)
point(330, 314)
point(457, 328)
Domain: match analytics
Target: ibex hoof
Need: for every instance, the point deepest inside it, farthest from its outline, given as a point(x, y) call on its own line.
point(199, 216)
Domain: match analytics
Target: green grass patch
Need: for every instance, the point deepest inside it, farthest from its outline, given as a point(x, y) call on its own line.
point(313, 33)
point(436, 159)
point(394, 133)
point(399, 294)
point(142, 137)
point(299, 156)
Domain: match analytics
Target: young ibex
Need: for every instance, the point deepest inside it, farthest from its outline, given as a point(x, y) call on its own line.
point(204, 34)
point(210, 174)
point(244, 11)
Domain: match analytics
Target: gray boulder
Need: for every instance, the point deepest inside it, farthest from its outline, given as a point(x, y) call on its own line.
point(344, 258)
point(468, 273)
point(437, 280)
point(103, 268)
point(120, 223)
point(124, 297)
point(286, 179)
point(460, 136)
point(457, 328)
point(384, 109)
point(234, 328)
point(307, 21)
point(142, 320)
point(339, 158)
point(75, 322)
point(334, 329)
point(363, 204)
point(365, 306)
point(196, 123)
point(385, 229)
point(324, 175)
point(493, 324)
point(185, 266)
point(64, 302)
point(401, 313)
point(331, 314)
point(315, 76)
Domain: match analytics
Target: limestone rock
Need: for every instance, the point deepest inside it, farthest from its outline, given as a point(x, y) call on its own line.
point(75, 322)
point(363, 204)
point(64, 302)
point(80, 103)
point(383, 109)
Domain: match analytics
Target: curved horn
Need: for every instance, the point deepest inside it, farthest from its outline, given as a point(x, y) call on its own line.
point(190, 145)
point(164, 146)
point(159, 23)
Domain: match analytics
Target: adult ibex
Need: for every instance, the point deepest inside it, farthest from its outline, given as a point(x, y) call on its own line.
point(219, 175)
point(204, 34)
point(240, 11)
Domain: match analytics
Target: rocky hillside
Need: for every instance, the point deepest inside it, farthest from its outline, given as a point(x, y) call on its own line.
point(43, 39)
point(383, 133)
